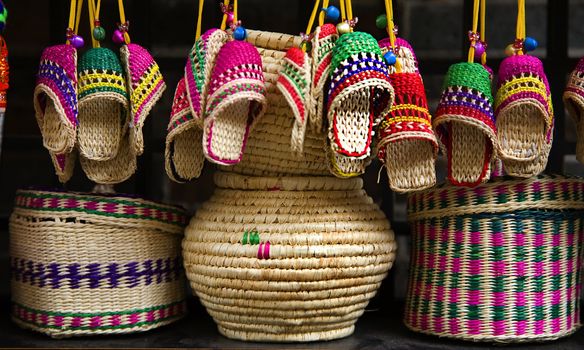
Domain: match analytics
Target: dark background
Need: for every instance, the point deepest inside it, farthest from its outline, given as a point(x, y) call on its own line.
point(435, 28)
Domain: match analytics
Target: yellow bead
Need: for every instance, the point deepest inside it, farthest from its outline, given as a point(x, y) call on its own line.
point(343, 28)
point(510, 50)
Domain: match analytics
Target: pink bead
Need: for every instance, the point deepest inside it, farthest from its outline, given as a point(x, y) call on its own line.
point(479, 50)
point(230, 19)
point(118, 37)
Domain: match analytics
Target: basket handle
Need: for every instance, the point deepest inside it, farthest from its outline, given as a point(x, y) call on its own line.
point(479, 9)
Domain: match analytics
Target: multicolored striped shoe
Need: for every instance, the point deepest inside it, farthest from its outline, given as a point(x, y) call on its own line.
point(103, 104)
point(465, 124)
point(236, 101)
point(145, 85)
point(574, 102)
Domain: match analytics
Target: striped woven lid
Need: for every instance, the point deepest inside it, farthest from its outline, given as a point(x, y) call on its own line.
point(120, 210)
point(502, 195)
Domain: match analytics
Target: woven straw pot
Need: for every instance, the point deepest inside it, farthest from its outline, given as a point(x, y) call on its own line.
point(283, 251)
point(87, 264)
point(497, 263)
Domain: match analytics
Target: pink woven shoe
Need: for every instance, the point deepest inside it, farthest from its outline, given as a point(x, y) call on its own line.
point(145, 86)
point(294, 83)
point(574, 102)
point(64, 164)
point(237, 99)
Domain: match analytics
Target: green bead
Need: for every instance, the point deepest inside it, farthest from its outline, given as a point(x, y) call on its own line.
point(381, 22)
point(98, 33)
point(2, 17)
point(5, 13)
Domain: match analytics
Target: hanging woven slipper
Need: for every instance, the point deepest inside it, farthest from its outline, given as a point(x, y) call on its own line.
point(360, 94)
point(64, 164)
point(55, 98)
point(344, 167)
point(294, 83)
point(407, 144)
point(113, 171)
point(237, 99)
point(184, 158)
point(574, 102)
point(323, 42)
point(103, 104)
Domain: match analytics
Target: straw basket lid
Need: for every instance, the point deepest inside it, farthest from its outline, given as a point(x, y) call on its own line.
point(522, 77)
point(118, 210)
point(467, 94)
point(145, 84)
point(199, 67)
point(100, 72)
point(56, 89)
point(502, 195)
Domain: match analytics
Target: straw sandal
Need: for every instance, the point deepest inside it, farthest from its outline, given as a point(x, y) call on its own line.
point(574, 102)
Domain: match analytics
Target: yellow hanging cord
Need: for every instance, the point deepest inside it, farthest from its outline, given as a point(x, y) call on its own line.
point(74, 16)
point(224, 21)
point(311, 21)
point(483, 30)
point(349, 7)
point(391, 31)
point(520, 30)
point(234, 11)
point(199, 19)
point(123, 20)
point(343, 12)
point(92, 16)
point(325, 4)
point(475, 25)
point(78, 16)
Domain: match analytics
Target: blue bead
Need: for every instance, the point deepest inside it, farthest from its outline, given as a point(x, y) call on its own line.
point(239, 33)
point(332, 13)
point(390, 58)
point(1, 6)
point(530, 44)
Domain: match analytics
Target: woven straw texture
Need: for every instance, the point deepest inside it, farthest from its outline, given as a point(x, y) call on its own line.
point(465, 124)
point(497, 263)
point(64, 164)
point(267, 152)
point(524, 115)
point(574, 102)
point(87, 264)
point(55, 98)
point(406, 142)
point(103, 104)
point(145, 88)
point(113, 171)
point(287, 259)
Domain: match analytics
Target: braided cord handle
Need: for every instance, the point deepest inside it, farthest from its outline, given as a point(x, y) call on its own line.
point(479, 10)
point(74, 16)
point(520, 29)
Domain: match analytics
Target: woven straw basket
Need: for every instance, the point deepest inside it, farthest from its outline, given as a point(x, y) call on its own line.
point(498, 263)
point(87, 264)
point(293, 254)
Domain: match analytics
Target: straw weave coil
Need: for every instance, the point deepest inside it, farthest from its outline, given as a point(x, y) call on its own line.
point(497, 263)
point(86, 264)
point(289, 258)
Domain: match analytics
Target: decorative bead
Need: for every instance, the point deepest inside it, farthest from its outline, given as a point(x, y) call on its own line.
point(479, 49)
point(510, 50)
point(332, 13)
point(76, 41)
point(390, 58)
point(343, 28)
point(381, 21)
point(230, 19)
point(530, 44)
point(308, 46)
point(118, 37)
point(99, 33)
point(240, 33)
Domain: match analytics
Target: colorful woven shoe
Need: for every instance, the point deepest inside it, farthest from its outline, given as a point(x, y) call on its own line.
point(407, 144)
point(574, 102)
point(323, 44)
point(360, 94)
point(237, 99)
point(404, 52)
point(145, 85)
point(55, 98)
point(345, 167)
point(465, 124)
point(115, 170)
point(524, 115)
point(184, 158)
point(103, 104)
point(64, 164)
point(294, 83)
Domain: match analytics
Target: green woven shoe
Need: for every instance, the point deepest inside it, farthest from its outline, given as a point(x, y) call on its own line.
point(103, 104)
